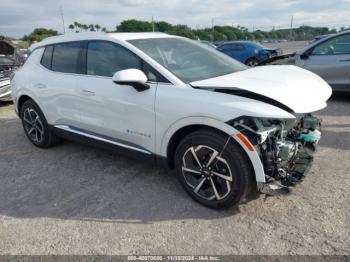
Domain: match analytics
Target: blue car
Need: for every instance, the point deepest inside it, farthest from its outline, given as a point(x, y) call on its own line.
point(247, 52)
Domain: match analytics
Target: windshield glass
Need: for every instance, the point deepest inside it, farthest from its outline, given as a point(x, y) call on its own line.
point(188, 60)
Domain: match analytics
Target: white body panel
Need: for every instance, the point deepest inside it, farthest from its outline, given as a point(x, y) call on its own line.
point(149, 119)
point(117, 111)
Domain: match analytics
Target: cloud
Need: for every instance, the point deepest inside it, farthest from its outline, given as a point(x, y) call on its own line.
point(18, 17)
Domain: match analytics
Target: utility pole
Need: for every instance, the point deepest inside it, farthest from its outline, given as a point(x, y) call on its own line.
point(152, 24)
point(291, 28)
point(62, 17)
point(212, 27)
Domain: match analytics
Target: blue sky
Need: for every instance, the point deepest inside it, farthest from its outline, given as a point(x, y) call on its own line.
point(18, 17)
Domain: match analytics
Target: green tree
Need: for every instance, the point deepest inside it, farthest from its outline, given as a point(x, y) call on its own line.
point(39, 34)
point(133, 25)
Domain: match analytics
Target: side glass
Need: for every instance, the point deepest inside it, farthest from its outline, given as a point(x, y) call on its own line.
point(335, 46)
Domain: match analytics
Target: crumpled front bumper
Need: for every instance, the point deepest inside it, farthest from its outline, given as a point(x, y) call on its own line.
point(299, 167)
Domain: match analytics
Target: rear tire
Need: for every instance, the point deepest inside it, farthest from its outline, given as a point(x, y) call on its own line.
point(212, 176)
point(36, 127)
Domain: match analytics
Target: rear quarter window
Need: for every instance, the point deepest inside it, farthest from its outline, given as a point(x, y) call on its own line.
point(47, 57)
point(65, 57)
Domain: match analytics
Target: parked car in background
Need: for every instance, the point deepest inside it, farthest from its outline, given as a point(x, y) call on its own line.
point(7, 66)
point(330, 59)
point(247, 52)
point(5, 88)
point(10, 60)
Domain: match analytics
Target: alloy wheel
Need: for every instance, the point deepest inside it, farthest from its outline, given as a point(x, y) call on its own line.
point(252, 63)
point(33, 125)
point(206, 172)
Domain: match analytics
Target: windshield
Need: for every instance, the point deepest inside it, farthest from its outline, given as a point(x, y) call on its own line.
point(188, 60)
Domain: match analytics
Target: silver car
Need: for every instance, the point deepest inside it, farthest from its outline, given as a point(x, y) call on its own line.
point(330, 59)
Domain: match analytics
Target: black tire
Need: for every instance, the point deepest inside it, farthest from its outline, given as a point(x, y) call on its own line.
point(36, 127)
point(252, 62)
point(238, 168)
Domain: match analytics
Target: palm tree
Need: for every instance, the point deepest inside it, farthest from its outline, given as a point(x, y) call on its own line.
point(71, 27)
point(91, 27)
point(85, 27)
point(97, 27)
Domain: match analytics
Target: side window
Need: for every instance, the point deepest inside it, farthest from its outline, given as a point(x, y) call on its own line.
point(232, 47)
point(152, 74)
point(238, 47)
point(225, 48)
point(66, 57)
point(47, 57)
point(336, 46)
point(105, 58)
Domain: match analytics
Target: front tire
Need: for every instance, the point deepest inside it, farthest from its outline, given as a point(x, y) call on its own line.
point(36, 127)
point(252, 62)
point(213, 169)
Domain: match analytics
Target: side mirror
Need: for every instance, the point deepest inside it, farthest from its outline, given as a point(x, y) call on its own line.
point(306, 54)
point(133, 77)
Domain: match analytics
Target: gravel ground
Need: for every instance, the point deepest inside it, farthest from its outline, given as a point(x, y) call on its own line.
point(288, 47)
point(74, 199)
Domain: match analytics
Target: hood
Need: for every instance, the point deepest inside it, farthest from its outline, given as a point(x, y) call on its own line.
point(298, 89)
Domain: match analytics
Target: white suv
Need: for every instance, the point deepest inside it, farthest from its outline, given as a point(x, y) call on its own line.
point(225, 128)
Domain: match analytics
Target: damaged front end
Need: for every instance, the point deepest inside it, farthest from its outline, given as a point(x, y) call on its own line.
point(285, 147)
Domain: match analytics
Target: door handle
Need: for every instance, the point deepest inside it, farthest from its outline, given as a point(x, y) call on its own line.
point(87, 92)
point(40, 86)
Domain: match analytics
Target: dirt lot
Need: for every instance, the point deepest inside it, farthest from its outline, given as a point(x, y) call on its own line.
point(289, 47)
point(73, 199)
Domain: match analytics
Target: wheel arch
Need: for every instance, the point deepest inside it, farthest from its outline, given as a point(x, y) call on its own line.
point(178, 130)
point(21, 100)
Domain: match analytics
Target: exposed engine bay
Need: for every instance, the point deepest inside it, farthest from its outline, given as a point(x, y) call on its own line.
point(286, 148)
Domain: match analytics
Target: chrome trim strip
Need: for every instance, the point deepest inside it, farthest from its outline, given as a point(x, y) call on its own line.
point(67, 128)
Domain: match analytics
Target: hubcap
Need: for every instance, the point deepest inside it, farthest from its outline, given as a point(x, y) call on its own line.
point(206, 172)
point(33, 125)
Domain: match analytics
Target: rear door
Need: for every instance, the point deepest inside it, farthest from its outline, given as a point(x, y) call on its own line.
point(331, 60)
point(56, 83)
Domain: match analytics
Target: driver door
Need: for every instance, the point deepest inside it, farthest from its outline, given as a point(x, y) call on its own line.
point(331, 61)
point(111, 111)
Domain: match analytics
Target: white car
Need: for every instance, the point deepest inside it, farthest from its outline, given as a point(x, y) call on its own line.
point(225, 128)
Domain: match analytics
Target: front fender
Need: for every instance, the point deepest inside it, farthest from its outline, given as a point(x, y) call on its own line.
point(214, 123)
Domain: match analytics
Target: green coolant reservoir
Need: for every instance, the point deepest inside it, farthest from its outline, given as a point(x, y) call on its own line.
point(311, 136)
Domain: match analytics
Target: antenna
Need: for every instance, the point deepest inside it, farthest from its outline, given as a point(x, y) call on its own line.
point(64, 28)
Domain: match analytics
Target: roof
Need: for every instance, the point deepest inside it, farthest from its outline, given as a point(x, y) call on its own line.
point(97, 36)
